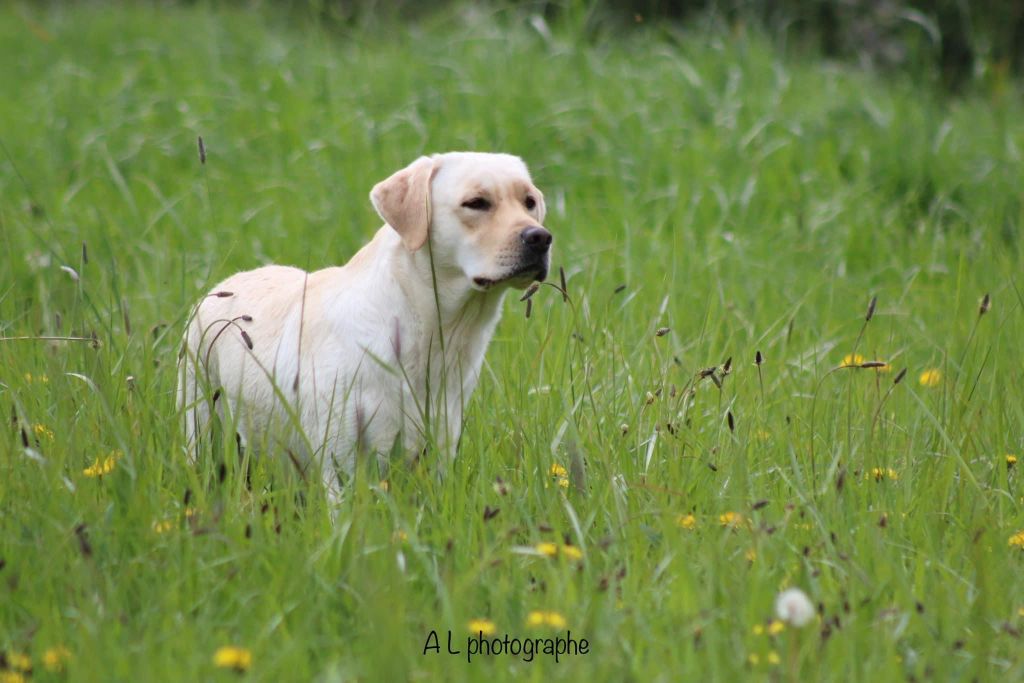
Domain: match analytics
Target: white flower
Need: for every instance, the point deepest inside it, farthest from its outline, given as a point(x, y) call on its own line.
point(794, 607)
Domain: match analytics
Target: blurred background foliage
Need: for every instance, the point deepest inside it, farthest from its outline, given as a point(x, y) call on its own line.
point(955, 42)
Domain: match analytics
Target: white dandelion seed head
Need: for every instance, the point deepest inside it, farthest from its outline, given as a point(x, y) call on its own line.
point(794, 607)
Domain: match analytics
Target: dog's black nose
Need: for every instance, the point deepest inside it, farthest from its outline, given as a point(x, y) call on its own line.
point(536, 238)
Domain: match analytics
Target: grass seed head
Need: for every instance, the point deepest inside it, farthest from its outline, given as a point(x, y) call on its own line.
point(662, 331)
point(899, 376)
point(500, 487)
point(530, 291)
point(986, 303)
point(561, 277)
point(758, 358)
point(202, 151)
point(871, 309)
point(82, 534)
point(126, 317)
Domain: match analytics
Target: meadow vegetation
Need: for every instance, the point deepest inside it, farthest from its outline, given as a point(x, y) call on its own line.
point(627, 472)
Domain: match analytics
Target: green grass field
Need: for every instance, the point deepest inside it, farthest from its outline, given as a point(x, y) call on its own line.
point(701, 180)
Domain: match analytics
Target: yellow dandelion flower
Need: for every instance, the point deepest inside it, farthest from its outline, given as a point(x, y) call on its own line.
point(547, 549)
point(162, 526)
point(880, 473)
point(773, 658)
point(852, 359)
point(686, 521)
point(43, 432)
point(231, 657)
point(11, 677)
point(19, 661)
point(1011, 460)
point(1020, 611)
point(484, 626)
point(30, 378)
point(400, 536)
point(885, 367)
point(556, 620)
point(775, 627)
point(762, 435)
point(930, 378)
point(384, 485)
point(1017, 540)
point(102, 466)
point(730, 519)
point(571, 552)
point(55, 658)
point(560, 475)
point(753, 659)
point(751, 555)
point(191, 512)
point(541, 618)
point(758, 629)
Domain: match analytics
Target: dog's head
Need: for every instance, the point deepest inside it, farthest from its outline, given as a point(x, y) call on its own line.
point(481, 213)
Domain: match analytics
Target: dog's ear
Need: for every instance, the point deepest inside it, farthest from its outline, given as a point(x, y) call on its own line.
point(403, 201)
point(542, 208)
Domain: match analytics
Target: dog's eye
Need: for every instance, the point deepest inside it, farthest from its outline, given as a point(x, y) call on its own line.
point(530, 203)
point(477, 204)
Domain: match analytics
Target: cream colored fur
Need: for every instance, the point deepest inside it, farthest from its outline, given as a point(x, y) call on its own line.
point(342, 358)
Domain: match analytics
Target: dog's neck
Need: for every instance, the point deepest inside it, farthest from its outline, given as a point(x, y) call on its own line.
point(458, 313)
point(432, 286)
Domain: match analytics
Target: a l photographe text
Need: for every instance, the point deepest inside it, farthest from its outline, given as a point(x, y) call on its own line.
point(478, 645)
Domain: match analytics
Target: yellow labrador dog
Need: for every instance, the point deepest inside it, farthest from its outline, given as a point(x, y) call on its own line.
point(385, 350)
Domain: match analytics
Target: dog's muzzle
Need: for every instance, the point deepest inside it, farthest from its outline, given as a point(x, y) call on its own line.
point(536, 247)
point(534, 260)
point(536, 239)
